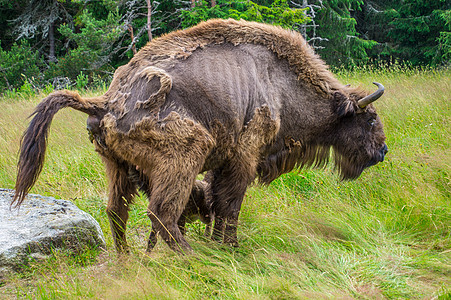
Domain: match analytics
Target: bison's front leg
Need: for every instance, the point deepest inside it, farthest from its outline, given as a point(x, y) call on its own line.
point(229, 183)
point(121, 194)
point(228, 187)
point(231, 228)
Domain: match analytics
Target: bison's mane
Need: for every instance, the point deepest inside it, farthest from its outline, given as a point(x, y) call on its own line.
point(289, 45)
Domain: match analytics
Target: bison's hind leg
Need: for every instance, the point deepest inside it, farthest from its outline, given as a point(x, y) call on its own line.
point(153, 238)
point(177, 154)
point(171, 187)
point(121, 194)
point(171, 152)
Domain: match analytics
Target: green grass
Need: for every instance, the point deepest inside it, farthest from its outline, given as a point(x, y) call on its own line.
point(306, 236)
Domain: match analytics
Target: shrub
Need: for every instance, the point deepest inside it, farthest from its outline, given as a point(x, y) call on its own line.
point(82, 81)
point(20, 65)
point(71, 64)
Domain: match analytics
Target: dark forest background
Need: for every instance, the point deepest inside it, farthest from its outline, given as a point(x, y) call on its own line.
point(61, 43)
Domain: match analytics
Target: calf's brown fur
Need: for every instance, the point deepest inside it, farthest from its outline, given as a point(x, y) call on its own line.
point(238, 99)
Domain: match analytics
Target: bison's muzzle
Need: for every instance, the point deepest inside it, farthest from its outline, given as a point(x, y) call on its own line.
point(379, 157)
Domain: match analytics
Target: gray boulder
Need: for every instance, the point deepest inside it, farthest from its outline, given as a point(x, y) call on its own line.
point(42, 225)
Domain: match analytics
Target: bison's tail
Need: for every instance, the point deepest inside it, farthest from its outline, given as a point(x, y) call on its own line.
point(34, 139)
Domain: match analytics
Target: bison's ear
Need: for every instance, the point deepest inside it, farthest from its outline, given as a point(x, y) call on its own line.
point(343, 106)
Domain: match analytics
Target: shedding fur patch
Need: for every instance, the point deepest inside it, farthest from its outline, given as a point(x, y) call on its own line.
point(171, 152)
point(151, 142)
point(260, 130)
point(156, 99)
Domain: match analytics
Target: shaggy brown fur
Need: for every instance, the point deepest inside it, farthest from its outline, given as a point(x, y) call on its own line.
point(235, 98)
point(198, 207)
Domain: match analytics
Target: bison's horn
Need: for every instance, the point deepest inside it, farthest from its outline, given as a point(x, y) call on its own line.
point(373, 97)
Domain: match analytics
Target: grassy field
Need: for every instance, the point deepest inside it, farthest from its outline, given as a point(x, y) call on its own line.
point(306, 236)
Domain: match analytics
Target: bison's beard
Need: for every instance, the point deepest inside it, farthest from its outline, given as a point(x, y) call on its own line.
point(351, 166)
point(299, 156)
point(348, 167)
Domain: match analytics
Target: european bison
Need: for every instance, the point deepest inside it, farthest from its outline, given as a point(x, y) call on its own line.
point(240, 99)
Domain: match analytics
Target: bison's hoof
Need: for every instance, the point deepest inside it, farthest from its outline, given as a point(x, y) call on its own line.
point(231, 242)
point(216, 237)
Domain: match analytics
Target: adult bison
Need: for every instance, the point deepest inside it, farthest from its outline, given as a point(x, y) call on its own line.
point(240, 99)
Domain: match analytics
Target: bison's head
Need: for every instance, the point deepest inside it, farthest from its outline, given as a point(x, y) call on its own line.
point(358, 136)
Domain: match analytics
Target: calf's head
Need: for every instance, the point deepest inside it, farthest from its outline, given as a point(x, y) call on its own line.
point(358, 137)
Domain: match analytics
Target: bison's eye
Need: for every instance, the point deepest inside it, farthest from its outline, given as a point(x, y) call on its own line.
point(371, 122)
